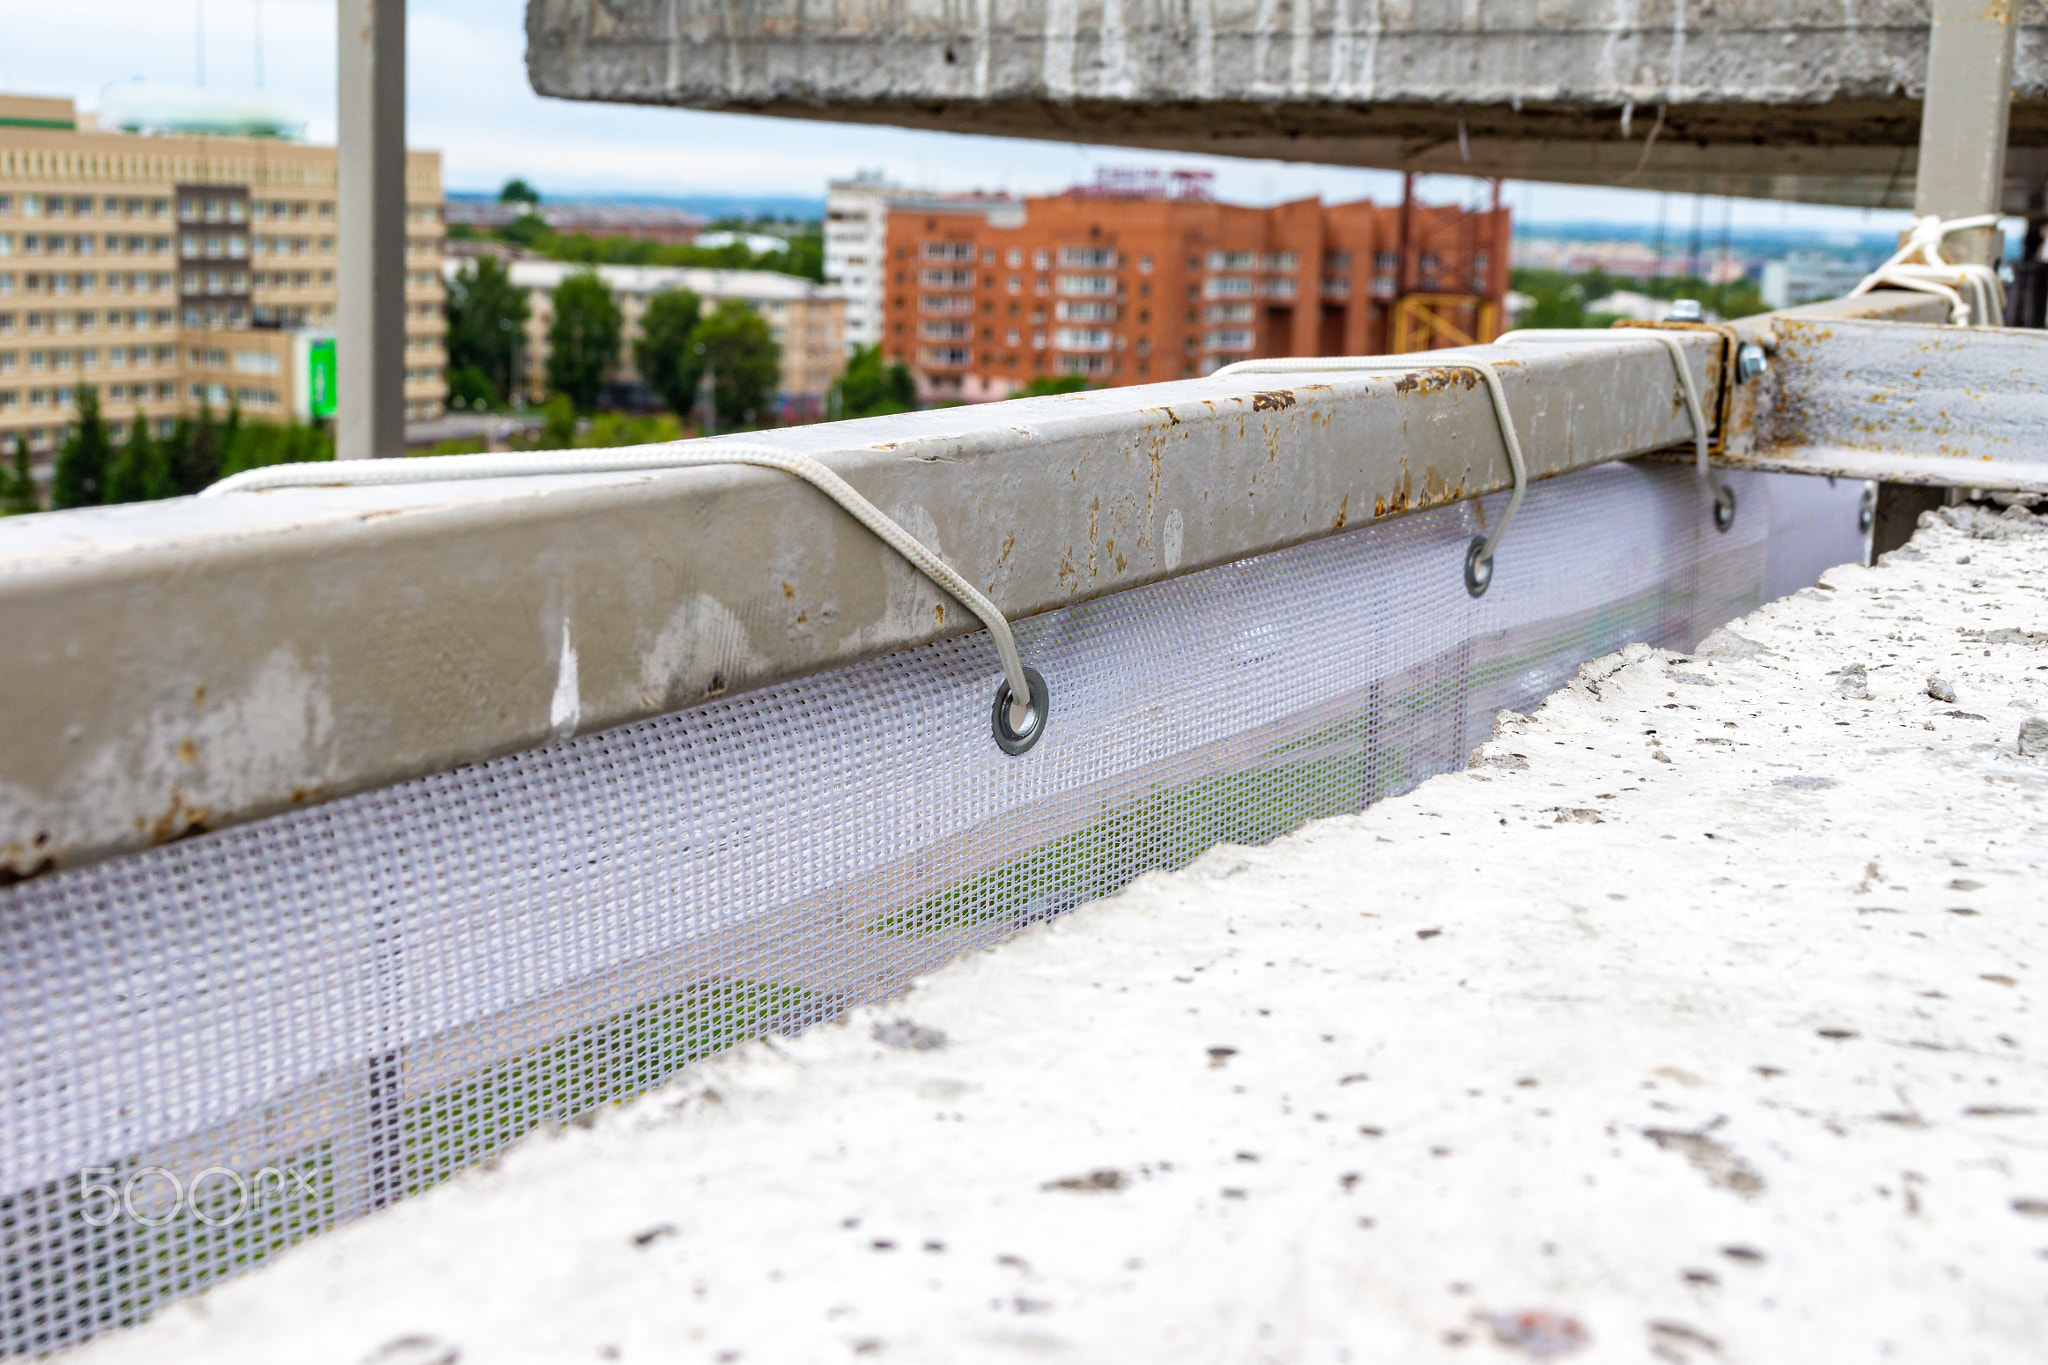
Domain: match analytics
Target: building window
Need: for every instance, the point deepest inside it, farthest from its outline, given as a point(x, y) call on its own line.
point(1087, 258)
point(1088, 284)
point(1082, 339)
point(1074, 310)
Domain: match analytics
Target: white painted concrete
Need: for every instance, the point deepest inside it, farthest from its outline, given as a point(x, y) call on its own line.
point(1698, 1022)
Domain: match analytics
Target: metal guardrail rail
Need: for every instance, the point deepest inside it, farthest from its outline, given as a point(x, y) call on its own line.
point(177, 667)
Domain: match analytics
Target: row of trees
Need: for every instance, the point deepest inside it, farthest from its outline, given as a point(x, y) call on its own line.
point(802, 252)
point(93, 469)
point(725, 361)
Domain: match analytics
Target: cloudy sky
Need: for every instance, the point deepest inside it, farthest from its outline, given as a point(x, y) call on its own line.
point(468, 98)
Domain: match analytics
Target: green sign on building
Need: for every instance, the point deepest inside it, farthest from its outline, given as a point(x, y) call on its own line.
point(320, 379)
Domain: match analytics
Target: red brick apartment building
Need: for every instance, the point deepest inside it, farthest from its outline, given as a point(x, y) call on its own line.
point(1129, 289)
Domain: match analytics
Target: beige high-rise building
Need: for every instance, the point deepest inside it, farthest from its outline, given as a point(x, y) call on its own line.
point(168, 270)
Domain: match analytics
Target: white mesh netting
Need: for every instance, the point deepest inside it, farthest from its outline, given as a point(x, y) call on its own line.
point(217, 1047)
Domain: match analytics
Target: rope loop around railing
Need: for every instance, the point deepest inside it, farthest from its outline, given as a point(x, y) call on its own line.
point(1724, 496)
point(1479, 555)
point(1022, 703)
point(1919, 265)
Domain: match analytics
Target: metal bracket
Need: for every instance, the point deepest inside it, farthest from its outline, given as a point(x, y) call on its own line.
point(1905, 402)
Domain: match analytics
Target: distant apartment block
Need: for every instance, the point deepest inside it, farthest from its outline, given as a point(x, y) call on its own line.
point(174, 270)
point(645, 222)
point(1805, 276)
point(807, 319)
point(1629, 260)
point(856, 240)
point(1123, 288)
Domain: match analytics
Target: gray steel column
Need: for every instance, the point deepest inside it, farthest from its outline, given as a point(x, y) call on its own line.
point(369, 352)
point(1962, 122)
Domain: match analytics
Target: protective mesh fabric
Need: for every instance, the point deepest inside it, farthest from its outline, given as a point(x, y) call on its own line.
point(323, 1012)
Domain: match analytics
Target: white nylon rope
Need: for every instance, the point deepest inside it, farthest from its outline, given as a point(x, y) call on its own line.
point(1418, 361)
point(1723, 496)
point(1919, 265)
point(620, 459)
point(1570, 335)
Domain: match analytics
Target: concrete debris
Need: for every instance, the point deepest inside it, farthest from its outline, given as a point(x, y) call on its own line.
point(2008, 635)
point(1711, 1158)
point(1537, 1333)
point(1854, 683)
point(2034, 736)
point(1940, 690)
point(1726, 644)
point(1748, 1070)
point(904, 1033)
point(1981, 523)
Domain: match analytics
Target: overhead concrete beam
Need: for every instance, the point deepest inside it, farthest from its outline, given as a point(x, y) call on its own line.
point(1764, 98)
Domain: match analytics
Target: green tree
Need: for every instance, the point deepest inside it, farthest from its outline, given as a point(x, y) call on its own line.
point(256, 444)
point(740, 352)
point(558, 423)
point(664, 354)
point(81, 479)
point(139, 472)
point(583, 339)
point(871, 387)
point(18, 484)
point(193, 451)
point(487, 316)
point(802, 254)
point(469, 387)
point(1046, 384)
point(529, 229)
point(517, 191)
point(229, 436)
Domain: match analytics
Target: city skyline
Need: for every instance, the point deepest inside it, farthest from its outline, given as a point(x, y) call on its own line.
point(468, 98)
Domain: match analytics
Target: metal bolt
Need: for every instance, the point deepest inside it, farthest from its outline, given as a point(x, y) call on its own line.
point(1012, 736)
point(1750, 361)
point(1724, 507)
point(1478, 567)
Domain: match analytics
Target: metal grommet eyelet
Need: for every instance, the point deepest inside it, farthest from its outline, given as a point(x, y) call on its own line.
point(1008, 738)
point(1724, 507)
point(1478, 570)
